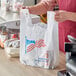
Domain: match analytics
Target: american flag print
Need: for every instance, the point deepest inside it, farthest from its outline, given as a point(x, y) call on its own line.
point(32, 44)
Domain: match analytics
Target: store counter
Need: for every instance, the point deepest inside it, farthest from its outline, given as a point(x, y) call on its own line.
point(13, 67)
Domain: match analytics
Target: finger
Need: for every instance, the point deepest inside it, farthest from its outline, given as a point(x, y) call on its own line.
point(57, 17)
point(58, 20)
point(60, 17)
point(57, 13)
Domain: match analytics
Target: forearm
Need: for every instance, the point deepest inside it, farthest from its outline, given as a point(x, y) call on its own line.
point(38, 9)
point(41, 7)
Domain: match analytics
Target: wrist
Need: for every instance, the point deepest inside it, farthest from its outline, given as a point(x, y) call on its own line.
point(71, 16)
point(68, 15)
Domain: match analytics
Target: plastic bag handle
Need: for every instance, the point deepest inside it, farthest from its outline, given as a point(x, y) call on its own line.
point(50, 19)
point(27, 16)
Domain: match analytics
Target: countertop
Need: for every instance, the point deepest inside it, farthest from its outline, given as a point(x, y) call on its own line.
point(13, 67)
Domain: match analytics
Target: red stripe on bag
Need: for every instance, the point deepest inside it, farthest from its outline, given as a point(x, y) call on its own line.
point(30, 47)
point(39, 43)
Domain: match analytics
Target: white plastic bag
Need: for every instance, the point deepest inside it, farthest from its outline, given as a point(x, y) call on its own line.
point(39, 42)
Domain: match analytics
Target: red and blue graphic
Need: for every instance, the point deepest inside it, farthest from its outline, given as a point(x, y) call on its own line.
point(32, 44)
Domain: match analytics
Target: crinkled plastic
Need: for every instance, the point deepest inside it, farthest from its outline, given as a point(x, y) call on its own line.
point(39, 44)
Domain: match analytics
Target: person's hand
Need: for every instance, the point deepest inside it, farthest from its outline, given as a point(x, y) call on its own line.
point(49, 4)
point(24, 7)
point(61, 16)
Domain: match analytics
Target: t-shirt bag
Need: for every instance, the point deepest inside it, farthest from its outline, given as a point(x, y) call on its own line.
point(39, 44)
